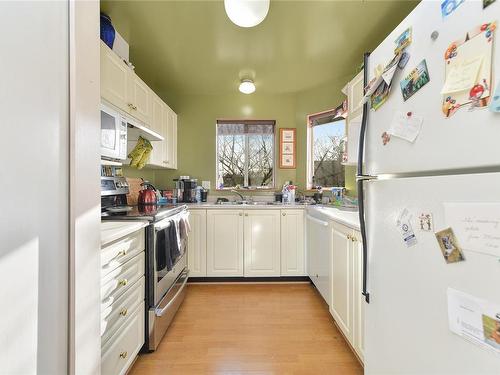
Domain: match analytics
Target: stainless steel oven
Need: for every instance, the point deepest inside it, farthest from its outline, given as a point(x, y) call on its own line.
point(168, 280)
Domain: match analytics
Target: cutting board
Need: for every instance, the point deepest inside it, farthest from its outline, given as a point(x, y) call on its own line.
point(134, 186)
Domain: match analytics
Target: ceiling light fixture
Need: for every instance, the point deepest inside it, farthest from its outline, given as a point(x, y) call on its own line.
point(247, 86)
point(246, 13)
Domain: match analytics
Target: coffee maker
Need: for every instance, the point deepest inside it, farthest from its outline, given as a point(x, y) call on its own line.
point(186, 189)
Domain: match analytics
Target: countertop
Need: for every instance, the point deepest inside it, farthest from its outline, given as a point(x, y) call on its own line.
point(280, 206)
point(348, 218)
point(113, 230)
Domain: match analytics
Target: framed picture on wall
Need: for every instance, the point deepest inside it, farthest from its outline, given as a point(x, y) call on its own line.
point(288, 147)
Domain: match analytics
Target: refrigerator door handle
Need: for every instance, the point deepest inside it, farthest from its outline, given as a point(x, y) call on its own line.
point(360, 178)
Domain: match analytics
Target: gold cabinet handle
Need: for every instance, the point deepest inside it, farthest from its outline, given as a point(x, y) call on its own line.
point(246, 214)
point(348, 236)
point(354, 239)
point(240, 214)
point(124, 312)
point(123, 252)
point(130, 105)
point(123, 355)
point(123, 282)
point(284, 214)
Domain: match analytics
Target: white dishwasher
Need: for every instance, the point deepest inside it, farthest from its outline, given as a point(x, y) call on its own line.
point(319, 256)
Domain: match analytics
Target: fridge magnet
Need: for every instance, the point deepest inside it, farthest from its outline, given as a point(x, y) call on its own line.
point(487, 3)
point(404, 60)
point(288, 148)
point(414, 81)
point(448, 244)
point(425, 221)
point(406, 126)
point(404, 225)
point(449, 6)
point(468, 71)
point(495, 103)
point(403, 41)
point(475, 319)
point(386, 137)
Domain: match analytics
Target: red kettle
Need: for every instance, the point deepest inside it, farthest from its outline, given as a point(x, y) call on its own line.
point(147, 195)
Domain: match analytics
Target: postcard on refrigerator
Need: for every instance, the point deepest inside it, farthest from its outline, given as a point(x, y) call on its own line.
point(406, 126)
point(495, 103)
point(426, 224)
point(477, 225)
point(403, 41)
point(448, 243)
point(414, 81)
point(463, 76)
point(449, 6)
point(474, 319)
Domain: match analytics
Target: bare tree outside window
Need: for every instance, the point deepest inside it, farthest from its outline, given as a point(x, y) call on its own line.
point(327, 151)
point(245, 154)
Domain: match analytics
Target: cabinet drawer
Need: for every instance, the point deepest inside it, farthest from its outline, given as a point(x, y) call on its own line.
point(119, 352)
point(113, 316)
point(121, 279)
point(119, 252)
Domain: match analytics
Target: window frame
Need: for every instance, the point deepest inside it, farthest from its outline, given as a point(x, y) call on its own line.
point(245, 186)
point(336, 112)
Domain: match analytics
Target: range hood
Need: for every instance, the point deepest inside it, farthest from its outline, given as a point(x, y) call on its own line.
point(135, 130)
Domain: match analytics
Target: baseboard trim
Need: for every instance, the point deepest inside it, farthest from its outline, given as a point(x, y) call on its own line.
point(240, 279)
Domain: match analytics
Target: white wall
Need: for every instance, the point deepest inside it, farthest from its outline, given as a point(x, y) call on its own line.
point(34, 187)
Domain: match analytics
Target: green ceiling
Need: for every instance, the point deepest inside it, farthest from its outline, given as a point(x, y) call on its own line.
point(191, 47)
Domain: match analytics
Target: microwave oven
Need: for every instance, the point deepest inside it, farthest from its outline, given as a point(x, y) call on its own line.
point(113, 134)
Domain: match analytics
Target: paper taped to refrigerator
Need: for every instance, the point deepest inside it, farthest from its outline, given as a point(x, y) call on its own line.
point(474, 319)
point(406, 127)
point(476, 225)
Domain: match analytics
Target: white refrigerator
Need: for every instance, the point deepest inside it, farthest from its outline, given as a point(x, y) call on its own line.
point(452, 161)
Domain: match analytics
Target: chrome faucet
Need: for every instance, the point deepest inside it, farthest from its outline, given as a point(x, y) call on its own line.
point(238, 194)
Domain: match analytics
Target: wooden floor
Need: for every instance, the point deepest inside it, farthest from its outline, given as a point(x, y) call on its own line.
point(251, 329)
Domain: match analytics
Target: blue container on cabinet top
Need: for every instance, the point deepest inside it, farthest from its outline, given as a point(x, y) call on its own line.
point(107, 30)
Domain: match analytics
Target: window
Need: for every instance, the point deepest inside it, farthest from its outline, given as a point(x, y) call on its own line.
point(245, 153)
point(326, 134)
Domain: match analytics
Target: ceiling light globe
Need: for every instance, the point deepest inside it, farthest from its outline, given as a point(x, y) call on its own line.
point(246, 13)
point(247, 86)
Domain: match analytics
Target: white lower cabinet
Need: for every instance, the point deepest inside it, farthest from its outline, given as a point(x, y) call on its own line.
point(347, 302)
point(262, 243)
point(122, 302)
point(224, 242)
point(319, 255)
point(197, 243)
point(292, 243)
point(341, 307)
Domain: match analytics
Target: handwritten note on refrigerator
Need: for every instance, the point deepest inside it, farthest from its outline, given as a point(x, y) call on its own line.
point(462, 76)
point(476, 225)
point(406, 126)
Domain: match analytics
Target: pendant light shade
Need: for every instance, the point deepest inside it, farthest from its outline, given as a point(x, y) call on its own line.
point(247, 86)
point(246, 13)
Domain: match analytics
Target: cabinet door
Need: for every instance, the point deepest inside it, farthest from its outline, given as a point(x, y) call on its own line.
point(139, 98)
point(342, 304)
point(224, 242)
point(292, 243)
point(171, 139)
point(197, 243)
point(262, 243)
point(359, 300)
point(157, 113)
point(114, 73)
point(159, 125)
point(355, 95)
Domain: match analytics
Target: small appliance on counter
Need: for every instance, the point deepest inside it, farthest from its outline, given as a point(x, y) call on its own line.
point(186, 189)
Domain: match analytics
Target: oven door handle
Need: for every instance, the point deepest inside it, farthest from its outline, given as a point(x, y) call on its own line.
point(159, 311)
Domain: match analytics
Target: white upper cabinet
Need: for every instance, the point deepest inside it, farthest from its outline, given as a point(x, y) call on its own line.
point(355, 95)
point(139, 98)
point(197, 243)
point(225, 242)
point(292, 243)
point(262, 243)
point(122, 88)
point(114, 76)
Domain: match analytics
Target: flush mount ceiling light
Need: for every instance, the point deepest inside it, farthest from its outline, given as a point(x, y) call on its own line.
point(247, 86)
point(246, 13)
